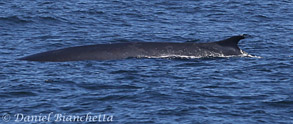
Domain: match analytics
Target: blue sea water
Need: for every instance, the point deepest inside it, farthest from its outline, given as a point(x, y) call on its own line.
point(165, 91)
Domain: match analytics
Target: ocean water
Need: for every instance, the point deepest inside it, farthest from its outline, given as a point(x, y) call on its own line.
point(228, 90)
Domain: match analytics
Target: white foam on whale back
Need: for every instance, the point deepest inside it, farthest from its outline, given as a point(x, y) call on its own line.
point(210, 55)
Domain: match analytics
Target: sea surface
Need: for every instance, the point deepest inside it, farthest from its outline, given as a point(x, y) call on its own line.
point(224, 90)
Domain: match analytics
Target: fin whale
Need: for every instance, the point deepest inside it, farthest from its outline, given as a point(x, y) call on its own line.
point(227, 47)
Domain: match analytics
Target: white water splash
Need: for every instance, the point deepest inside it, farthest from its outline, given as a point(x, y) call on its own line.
point(243, 54)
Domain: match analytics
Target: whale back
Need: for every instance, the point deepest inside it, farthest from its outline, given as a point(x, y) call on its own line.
point(144, 49)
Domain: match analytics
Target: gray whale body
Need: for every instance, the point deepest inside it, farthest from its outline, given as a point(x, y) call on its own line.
point(117, 51)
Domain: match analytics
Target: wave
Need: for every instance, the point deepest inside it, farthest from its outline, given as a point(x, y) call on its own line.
point(15, 19)
point(29, 19)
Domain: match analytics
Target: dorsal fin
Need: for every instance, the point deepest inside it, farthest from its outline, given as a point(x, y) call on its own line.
point(232, 41)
